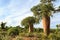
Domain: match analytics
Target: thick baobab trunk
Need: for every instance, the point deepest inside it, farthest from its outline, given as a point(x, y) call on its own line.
point(46, 25)
point(30, 28)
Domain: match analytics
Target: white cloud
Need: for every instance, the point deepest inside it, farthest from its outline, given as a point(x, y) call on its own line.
point(17, 14)
point(17, 18)
point(19, 9)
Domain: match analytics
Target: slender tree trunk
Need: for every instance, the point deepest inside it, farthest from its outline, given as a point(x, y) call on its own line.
point(46, 25)
point(30, 28)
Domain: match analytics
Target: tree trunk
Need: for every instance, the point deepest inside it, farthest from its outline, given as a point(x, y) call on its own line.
point(46, 25)
point(30, 28)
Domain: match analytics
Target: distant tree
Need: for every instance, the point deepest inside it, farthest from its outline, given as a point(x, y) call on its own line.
point(7, 27)
point(18, 26)
point(57, 28)
point(3, 25)
point(28, 21)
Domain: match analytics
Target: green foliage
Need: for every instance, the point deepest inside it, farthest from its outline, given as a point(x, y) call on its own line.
point(30, 35)
point(43, 9)
point(58, 10)
point(44, 1)
point(5, 37)
point(18, 38)
point(3, 25)
point(26, 28)
point(22, 34)
point(26, 34)
point(39, 30)
point(13, 32)
point(37, 35)
point(28, 20)
point(52, 36)
point(0, 37)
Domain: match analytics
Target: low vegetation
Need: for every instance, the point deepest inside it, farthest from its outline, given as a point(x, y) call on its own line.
point(19, 33)
point(43, 11)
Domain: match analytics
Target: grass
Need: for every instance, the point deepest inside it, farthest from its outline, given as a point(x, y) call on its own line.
point(30, 36)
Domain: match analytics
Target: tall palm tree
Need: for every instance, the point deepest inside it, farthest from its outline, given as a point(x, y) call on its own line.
point(28, 21)
point(43, 11)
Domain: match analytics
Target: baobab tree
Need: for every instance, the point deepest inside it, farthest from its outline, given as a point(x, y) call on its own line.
point(44, 10)
point(28, 21)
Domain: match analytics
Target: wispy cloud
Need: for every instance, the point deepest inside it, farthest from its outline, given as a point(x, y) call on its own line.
point(13, 11)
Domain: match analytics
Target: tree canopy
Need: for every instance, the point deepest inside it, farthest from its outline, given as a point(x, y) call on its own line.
point(28, 20)
point(43, 9)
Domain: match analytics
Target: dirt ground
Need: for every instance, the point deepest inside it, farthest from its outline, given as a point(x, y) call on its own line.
point(27, 38)
point(30, 38)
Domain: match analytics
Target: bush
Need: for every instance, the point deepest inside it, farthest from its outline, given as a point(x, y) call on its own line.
point(0, 37)
point(18, 38)
point(30, 35)
point(13, 32)
point(38, 35)
point(27, 34)
point(22, 34)
point(52, 36)
point(7, 38)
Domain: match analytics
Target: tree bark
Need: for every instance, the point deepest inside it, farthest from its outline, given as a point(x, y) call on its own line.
point(46, 24)
point(30, 28)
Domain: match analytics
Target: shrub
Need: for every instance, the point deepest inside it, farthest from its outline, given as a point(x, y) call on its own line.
point(0, 37)
point(38, 35)
point(22, 34)
point(27, 34)
point(52, 36)
point(30, 35)
point(18, 38)
point(13, 32)
point(7, 38)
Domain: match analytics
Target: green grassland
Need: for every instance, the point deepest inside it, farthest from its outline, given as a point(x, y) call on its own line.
point(19, 33)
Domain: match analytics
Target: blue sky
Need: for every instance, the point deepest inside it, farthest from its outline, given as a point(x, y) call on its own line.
point(13, 11)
